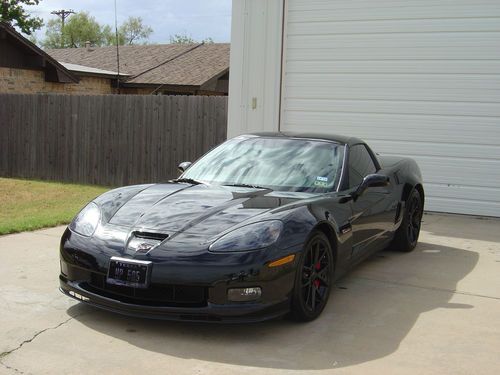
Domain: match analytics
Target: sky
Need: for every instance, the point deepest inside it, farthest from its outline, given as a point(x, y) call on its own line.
point(199, 19)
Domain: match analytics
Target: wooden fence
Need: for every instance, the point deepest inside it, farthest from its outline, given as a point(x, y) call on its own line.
point(106, 139)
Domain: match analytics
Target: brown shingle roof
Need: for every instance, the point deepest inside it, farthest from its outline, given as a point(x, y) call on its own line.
point(168, 64)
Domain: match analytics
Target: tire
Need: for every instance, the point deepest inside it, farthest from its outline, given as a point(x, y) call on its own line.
point(406, 236)
point(313, 279)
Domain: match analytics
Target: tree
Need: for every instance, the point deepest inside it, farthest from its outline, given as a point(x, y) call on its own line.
point(208, 41)
point(53, 38)
point(80, 28)
point(183, 38)
point(110, 36)
point(132, 31)
point(13, 11)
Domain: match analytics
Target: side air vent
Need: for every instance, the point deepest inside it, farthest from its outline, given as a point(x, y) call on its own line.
point(398, 213)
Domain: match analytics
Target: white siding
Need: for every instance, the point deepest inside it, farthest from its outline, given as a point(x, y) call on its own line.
point(418, 78)
point(254, 80)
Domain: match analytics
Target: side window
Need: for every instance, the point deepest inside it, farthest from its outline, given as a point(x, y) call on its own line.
point(360, 164)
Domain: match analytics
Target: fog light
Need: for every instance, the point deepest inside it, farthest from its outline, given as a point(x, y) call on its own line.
point(244, 294)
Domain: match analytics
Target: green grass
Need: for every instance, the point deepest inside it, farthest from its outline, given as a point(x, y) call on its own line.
point(29, 205)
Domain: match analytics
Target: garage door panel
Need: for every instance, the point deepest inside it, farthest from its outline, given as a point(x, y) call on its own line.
point(393, 67)
point(485, 173)
point(314, 5)
point(415, 25)
point(399, 40)
point(347, 10)
point(400, 107)
point(337, 82)
point(460, 192)
point(394, 127)
point(385, 93)
point(462, 206)
point(373, 53)
point(418, 78)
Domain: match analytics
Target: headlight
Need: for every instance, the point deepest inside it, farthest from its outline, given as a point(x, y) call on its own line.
point(250, 237)
point(85, 223)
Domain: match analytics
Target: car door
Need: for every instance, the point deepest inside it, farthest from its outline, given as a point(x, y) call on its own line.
point(371, 219)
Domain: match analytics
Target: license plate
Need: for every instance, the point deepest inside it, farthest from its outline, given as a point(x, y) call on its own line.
point(129, 272)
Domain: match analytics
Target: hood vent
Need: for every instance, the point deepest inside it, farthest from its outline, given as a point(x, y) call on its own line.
point(143, 242)
point(150, 235)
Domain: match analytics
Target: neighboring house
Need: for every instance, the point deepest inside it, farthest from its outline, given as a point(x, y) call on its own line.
point(22, 64)
point(26, 69)
point(186, 69)
point(169, 69)
point(420, 79)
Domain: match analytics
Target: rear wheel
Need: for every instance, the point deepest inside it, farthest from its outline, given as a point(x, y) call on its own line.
point(314, 278)
point(406, 237)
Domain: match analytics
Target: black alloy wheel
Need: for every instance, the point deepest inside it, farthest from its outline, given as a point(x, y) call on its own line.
point(406, 236)
point(414, 217)
point(314, 278)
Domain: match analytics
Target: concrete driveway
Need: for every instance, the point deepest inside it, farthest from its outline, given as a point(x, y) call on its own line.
point(433, 311)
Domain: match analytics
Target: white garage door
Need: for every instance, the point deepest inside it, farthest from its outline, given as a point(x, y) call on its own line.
point(418, 78)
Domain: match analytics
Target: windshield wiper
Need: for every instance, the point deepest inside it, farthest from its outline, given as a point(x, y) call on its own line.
point(247, 186)
point(189, 181)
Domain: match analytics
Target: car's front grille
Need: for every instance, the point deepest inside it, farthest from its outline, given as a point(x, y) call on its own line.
point(154, 295)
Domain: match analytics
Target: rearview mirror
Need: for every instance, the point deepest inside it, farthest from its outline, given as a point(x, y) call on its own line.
point(183, 166)
point(372, 180)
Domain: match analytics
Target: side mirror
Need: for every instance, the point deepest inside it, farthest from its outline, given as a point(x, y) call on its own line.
point(183, 166)
point(372, 180)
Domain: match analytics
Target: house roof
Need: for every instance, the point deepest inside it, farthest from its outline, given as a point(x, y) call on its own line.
point(54, 71)
point(160, 64)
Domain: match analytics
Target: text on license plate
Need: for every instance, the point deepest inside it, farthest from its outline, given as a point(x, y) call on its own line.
point(128, 272)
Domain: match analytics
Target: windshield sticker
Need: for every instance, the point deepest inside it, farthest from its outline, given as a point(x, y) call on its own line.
point(320, 184)
point(321, 181)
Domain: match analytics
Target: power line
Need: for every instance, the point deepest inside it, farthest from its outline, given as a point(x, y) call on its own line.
point(62, 14)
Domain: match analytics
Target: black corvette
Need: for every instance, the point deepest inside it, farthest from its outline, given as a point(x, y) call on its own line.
point(260, 226)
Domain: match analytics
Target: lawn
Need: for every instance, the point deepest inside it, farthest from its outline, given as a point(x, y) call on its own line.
point(29, 205)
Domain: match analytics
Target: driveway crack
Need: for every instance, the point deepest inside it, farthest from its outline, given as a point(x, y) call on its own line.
point(5, 354)
point(17, 371)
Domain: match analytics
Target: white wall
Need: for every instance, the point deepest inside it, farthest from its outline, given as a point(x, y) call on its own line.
point(254, 84)
point(419, 80)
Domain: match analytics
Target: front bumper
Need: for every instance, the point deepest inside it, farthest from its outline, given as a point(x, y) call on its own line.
point(226, 313)
point(186, 283)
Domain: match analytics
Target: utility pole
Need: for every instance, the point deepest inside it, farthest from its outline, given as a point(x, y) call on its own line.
point(5, 10)
point(62, 14)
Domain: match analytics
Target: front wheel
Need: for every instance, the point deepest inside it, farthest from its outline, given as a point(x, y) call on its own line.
point(314, 278)
point(407, 234)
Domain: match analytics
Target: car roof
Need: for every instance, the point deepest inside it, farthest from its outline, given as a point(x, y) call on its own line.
point(320, 136)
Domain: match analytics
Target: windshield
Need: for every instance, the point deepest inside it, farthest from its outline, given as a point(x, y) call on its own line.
point(281, 164)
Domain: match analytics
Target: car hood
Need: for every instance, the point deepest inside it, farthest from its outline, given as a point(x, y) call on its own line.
point(205, 210)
